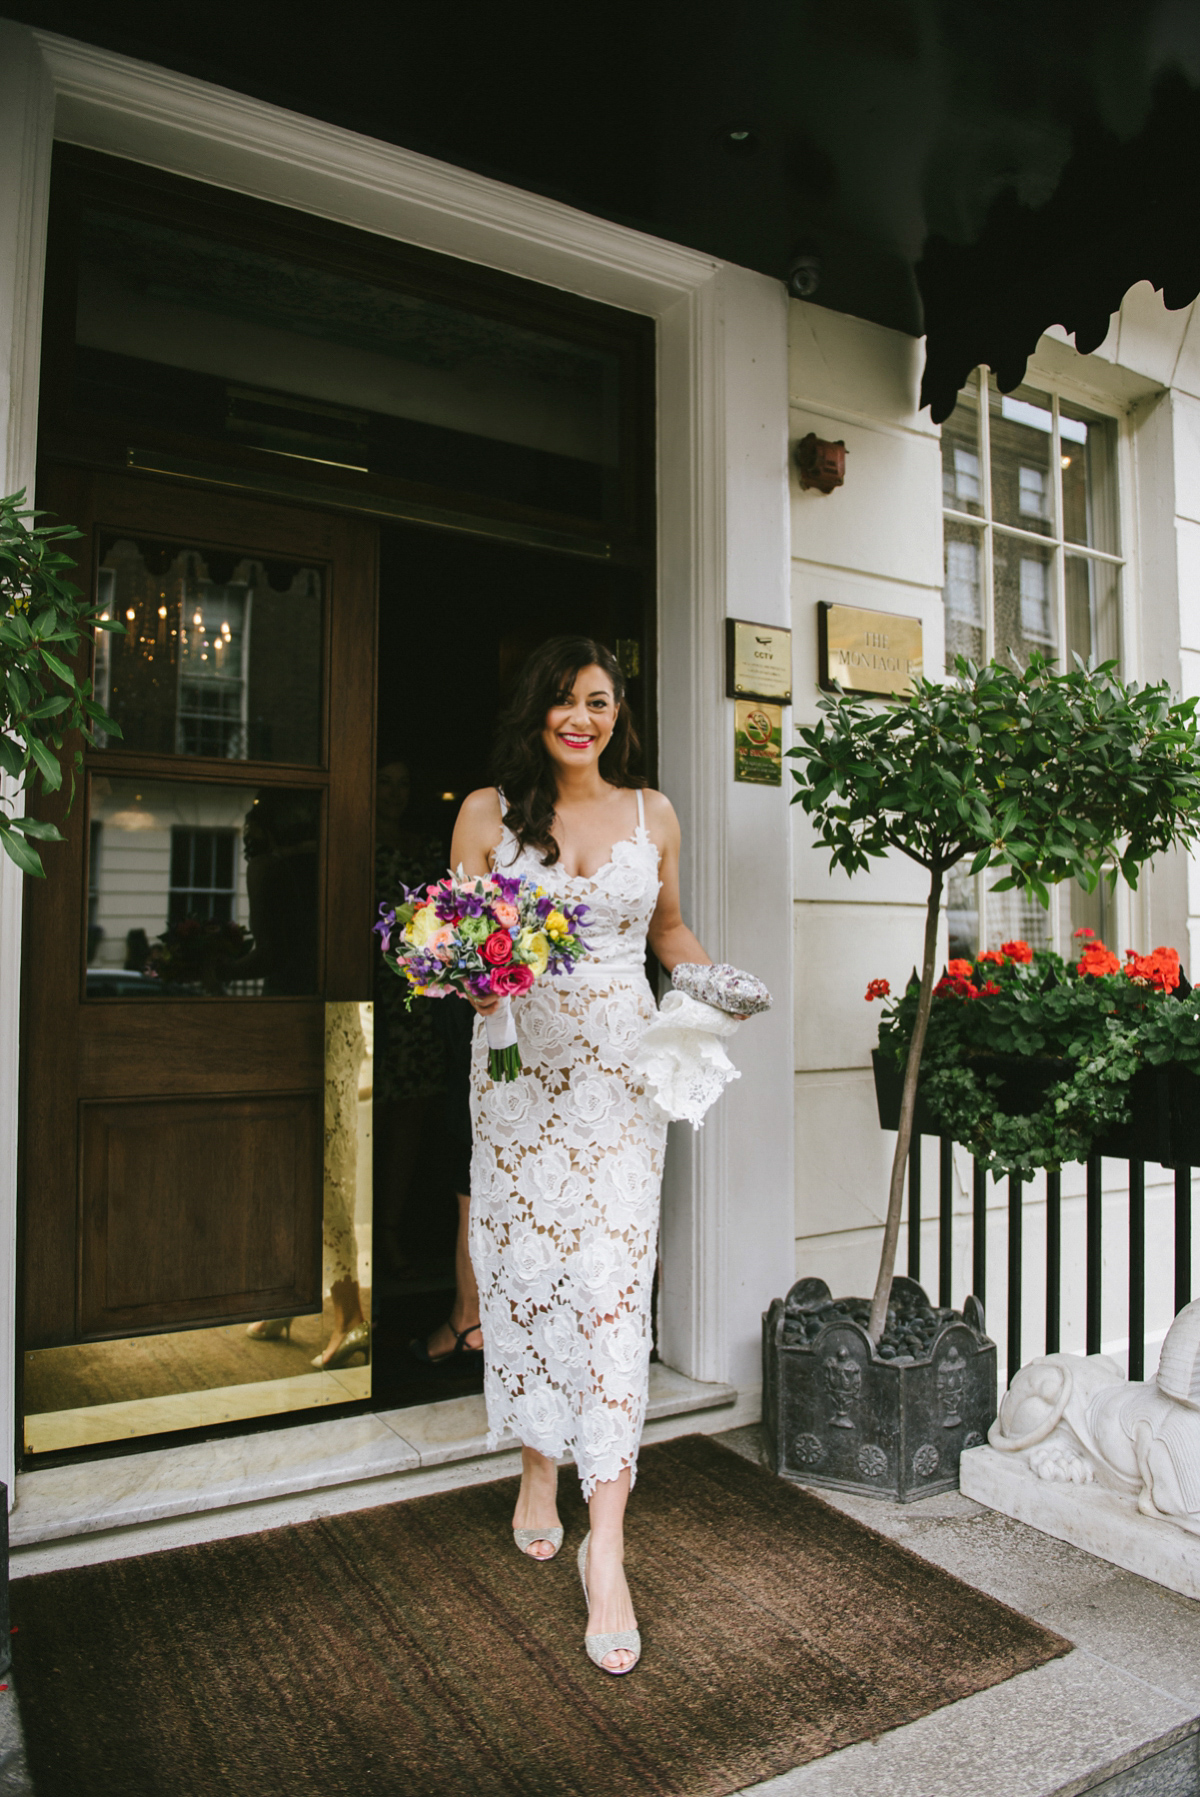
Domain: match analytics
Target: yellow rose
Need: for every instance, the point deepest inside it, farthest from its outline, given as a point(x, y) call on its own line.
point(534, 950)
point(556, 924)
point(425, 924)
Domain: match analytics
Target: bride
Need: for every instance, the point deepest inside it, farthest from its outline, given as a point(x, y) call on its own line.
point(567, 1159)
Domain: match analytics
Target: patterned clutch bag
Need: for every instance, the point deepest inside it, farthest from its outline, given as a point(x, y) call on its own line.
point(727, 988)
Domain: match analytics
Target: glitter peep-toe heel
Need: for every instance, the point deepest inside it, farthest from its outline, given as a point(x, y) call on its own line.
point(599, 1646)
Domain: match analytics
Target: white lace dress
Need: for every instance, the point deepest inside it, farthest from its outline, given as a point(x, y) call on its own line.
point(565, 1178)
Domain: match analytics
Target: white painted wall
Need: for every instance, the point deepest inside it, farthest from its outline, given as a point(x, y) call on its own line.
point(877, 541)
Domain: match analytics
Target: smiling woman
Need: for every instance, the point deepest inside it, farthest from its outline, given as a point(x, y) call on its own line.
point(568, 1159)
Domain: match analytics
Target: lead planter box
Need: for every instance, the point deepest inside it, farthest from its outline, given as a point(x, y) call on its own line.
point(837, 1413)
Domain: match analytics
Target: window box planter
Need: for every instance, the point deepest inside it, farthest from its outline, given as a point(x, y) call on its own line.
point(840, 1413)
point(1164, 1102)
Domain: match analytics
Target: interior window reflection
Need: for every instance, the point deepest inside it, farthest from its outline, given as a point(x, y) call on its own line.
point(221, 654)
point(198, 890)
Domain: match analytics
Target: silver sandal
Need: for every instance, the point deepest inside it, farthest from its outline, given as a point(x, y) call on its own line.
point(525, 1539)
point(599, 1646)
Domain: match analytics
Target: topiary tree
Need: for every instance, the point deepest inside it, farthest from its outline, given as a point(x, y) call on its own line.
point(1048, 776)
point(42, 617)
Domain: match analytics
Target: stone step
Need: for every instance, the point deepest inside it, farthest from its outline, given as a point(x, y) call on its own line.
point(98, 1510)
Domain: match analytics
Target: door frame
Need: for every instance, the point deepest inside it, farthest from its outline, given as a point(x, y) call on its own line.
point(724, 550)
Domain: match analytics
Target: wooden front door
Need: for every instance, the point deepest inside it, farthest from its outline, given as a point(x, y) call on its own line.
point(214, 890)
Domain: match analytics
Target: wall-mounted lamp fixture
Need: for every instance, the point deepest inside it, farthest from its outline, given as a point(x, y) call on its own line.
point(738, 139)
point(804, 275)
point(822, 465)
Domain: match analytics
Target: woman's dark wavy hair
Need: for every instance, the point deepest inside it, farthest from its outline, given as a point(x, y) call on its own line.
point(523, 770)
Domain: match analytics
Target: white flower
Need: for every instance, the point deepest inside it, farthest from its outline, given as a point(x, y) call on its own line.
point(622, 1344)
point(542, 1415)
point(601, 1266)
point(594, 1096)
point(604, 1431)
point(510, 1101)
point(560, 1339)
point(530, 1255)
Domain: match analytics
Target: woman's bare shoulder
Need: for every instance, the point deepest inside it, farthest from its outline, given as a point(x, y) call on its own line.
point(661, 820)
point(481, 807)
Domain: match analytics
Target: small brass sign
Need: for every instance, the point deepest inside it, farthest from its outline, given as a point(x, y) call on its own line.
point(758, 661)
point(758, 743)
point(867, 651)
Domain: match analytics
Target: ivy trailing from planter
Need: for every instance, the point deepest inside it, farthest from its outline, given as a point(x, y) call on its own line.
point(1103, 1021)
point(45, 702)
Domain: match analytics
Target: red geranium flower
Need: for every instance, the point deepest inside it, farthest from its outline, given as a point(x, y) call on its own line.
point(1160, 969)
point(878, 989)
point(1017, 951)
point(1084, 934)
point(992, 957)
point(1097, 960)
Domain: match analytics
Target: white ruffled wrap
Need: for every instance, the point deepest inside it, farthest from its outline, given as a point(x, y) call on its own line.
point(681, 1059)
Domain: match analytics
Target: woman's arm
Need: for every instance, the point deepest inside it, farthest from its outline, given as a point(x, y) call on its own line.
point(669, 936)
point(476, 833)
point(476, 838)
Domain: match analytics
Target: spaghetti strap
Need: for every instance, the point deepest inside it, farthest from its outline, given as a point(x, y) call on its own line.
point(641, 810)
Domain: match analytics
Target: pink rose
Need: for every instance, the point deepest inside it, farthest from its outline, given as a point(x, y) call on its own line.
point(441, 943)
point(505, 914)
point(497, 950)
point(511, 981)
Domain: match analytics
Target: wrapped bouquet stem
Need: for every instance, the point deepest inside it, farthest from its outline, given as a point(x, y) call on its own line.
point(479, 937)
point(500, 1028)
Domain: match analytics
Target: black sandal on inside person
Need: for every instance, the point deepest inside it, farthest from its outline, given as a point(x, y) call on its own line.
point(460, 1357)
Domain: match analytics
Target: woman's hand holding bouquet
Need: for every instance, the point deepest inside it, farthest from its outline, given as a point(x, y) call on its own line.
point(481, 938)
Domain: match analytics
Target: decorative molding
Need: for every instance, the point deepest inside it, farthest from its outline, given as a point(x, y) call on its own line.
point(153, 115)
point(26, 139)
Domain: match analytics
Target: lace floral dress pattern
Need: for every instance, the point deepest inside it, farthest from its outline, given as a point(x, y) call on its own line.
point(565, 1179)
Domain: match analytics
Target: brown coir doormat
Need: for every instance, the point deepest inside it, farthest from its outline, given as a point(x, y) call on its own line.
point(411, 1650)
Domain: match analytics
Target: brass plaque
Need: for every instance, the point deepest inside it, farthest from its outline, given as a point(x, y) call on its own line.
point(758, 743)
point(867, 651)
point(758, 661)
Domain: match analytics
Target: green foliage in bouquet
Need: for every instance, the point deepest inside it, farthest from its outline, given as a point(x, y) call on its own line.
point(44, 701)
point(1043, 776)
point(1105, 1020)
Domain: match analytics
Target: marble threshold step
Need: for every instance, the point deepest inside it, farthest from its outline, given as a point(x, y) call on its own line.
point(141, 1503)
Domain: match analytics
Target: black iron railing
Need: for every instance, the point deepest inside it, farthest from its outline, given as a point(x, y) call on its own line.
point(1094, 1267)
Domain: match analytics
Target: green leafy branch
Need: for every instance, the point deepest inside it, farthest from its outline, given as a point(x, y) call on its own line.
point(42, 618)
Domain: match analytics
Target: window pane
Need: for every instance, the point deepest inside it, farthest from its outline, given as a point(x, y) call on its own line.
point(962, 469)
point(1013, 917)
point(1022, 477)
point(963, 593)
point(1093, 593)
point(179, 331)
point(1023, 573)
point(962, 912)
point(222, 652)
point(1089, 477)
point(201, 890)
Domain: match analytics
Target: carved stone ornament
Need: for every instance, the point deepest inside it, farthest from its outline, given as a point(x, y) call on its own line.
point(843, 1382)
point(951, 1384)
point(1078, 1420)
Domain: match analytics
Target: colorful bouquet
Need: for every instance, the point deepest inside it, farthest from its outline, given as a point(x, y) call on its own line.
point(477, 937)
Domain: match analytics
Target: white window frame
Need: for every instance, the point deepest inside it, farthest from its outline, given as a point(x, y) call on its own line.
point(986, 527)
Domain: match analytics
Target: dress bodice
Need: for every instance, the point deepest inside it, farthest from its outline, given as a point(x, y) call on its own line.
point(620, 896)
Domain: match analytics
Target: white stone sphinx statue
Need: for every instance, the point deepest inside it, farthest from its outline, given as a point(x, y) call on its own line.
point(1079, 1420)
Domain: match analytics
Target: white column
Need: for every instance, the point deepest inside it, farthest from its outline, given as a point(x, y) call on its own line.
point(727, 1199)
point(26, 139)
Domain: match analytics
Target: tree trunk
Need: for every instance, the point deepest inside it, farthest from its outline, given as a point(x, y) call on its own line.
point(908, 1104)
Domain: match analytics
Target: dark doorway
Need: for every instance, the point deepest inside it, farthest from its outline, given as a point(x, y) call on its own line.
point(458, 615)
